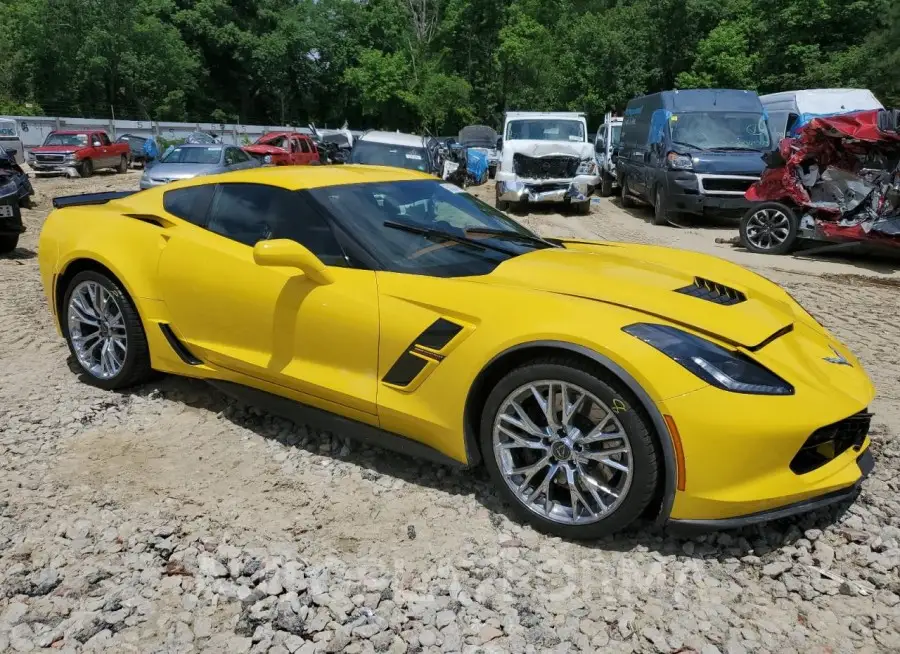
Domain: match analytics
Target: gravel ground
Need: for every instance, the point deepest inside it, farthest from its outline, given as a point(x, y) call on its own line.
point(172, 519)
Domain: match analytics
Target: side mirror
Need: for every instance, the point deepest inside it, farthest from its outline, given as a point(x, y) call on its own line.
point(599, 147)
point(285, 253)
point(499, 142)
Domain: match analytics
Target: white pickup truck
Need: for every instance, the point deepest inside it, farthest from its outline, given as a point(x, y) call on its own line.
point(546, 157)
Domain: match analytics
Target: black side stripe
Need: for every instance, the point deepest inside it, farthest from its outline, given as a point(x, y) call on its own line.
point(414, 360)
point(180, 348)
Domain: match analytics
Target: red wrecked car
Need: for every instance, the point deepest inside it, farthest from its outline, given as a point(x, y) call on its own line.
point(284, 149)
point(837, 182)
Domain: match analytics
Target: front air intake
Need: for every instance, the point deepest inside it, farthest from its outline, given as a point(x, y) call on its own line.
point(704, 289)
point(829, 442)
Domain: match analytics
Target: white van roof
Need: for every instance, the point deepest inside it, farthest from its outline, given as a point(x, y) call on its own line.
point(565, 115)
point(821, 101)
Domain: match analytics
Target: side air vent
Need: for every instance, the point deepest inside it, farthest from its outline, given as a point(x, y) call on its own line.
point(704, 289)
point(180, 348)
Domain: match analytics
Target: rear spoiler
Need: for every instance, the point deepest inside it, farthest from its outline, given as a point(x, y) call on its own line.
point(89, 198)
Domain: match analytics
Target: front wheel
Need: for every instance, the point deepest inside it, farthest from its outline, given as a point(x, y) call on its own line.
point(104, 332)
point(87, 168)
point(769, 228)
point(567, 448)
point(660, 208)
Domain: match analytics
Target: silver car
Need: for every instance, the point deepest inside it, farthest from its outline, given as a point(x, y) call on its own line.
point(187, 160)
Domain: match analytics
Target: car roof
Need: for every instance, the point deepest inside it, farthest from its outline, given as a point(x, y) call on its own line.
point(270, 135)
point(75, 131)
point(295, 178)
point(394, 138)
point(203, 145)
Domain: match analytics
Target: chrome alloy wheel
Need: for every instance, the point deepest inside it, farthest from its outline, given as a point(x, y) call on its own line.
point(563, 453)
point(768, 228)
point(97, 330)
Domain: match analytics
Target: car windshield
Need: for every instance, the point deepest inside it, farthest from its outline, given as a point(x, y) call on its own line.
point(377, 212)
point(387, 154)
point(193, 155)
point(720, 130)
point(66, 139)
point(545, 129)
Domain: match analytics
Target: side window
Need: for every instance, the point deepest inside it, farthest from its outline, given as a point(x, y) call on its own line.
point(239, 155)
point(304, 146)
point(104, 139)
point(230, 159)
point(791, 123)
point(189, 203)
point(249, 213)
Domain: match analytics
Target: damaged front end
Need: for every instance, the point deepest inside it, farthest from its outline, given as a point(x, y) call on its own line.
point(838, 182)
point(553, 177)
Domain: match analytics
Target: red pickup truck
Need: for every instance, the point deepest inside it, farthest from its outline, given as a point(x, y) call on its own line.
point(81, 150)
point(284, 149)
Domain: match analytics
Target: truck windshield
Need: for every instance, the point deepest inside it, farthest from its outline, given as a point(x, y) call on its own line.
point(545, 129)
point(615, 134)
point(386, 154)
point(721, 130)
point(66, 139)
point(193, 155)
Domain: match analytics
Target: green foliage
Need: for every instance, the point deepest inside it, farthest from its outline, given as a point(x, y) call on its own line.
point(431, 65)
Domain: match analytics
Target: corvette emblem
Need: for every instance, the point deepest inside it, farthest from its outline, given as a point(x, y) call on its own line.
point(838, 358)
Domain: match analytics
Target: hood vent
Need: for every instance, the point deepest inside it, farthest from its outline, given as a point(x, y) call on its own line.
point(710, 291)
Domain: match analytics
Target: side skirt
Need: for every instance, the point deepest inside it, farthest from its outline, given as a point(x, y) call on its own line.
point(327, 421)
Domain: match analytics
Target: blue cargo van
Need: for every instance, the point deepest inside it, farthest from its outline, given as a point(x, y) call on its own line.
point(695, 151)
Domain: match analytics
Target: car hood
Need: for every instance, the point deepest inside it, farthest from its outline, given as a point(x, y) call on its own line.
point(656, 281)
point(727, 163)
point(548, 148)
point(180, 171)
point(261, 148)
point(56, 149)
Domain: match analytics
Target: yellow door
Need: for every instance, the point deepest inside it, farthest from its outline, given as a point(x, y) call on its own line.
point(272, 323)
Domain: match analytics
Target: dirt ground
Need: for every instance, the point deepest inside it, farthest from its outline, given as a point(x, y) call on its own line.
point(139, 521)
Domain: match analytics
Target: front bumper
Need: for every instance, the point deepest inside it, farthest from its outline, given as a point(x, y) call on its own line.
point(687, 192)
point(62, 167)
point(10, 216)
point(577, 189)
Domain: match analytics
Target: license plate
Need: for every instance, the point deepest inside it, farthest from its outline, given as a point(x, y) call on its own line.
point(6, 211)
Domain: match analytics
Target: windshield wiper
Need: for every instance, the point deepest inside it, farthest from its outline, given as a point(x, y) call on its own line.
point(509, 235)
point(447, 236)
point(688, 145)
point(738, 148)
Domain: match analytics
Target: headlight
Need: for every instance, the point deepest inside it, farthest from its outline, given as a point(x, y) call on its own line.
point(8, 188)
point(679, 161)
point(730, 371)
point(70, 156)
point(29, 155)
point(267, 158)
point(587, 167)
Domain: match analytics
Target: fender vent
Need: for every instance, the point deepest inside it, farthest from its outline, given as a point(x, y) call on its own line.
point(704, 289)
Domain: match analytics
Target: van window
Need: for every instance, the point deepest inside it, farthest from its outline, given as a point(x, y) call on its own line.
point(720, 130)
point(636, 124)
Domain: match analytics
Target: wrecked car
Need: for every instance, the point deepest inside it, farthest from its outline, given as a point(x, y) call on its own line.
point(546, 157)
point(482, 139)
point(333, 146)
point(788, 111)
point(837, 182)
point(10, 215)
point(10, 170)
point(463, 166)
point(284, 149)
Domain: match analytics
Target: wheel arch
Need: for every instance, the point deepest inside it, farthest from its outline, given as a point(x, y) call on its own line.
point(518, 355)
point(76, 266)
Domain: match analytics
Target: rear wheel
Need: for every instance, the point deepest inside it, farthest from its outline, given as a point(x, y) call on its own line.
point(769, 228)
point(8, 243)
point(627, 200)
point(104, 332)
point(606, 186)
point(566, 447)
point(86, 169)
point(123, 165)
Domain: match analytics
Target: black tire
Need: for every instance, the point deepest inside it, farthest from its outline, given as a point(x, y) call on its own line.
point(136, 368)
point(609, 390)
point(660, 208)
point(777, 217)
point(627, 201)
point(8, 243)
point(582, 208)
point(122, 168)
point(86, 169)
point(606, 186)
point(502, 205)
point(492, 172)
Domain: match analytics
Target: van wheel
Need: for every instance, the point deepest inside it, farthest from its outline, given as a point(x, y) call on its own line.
point(627, 201)
point(769, 228)
point(660, 208)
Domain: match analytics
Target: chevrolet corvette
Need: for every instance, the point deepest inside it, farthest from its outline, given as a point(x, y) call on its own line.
point(597, 382)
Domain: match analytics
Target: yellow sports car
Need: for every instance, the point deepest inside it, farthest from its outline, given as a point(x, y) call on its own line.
point(597, 382)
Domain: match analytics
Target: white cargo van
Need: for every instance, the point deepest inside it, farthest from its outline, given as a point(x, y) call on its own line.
point(789, 108)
